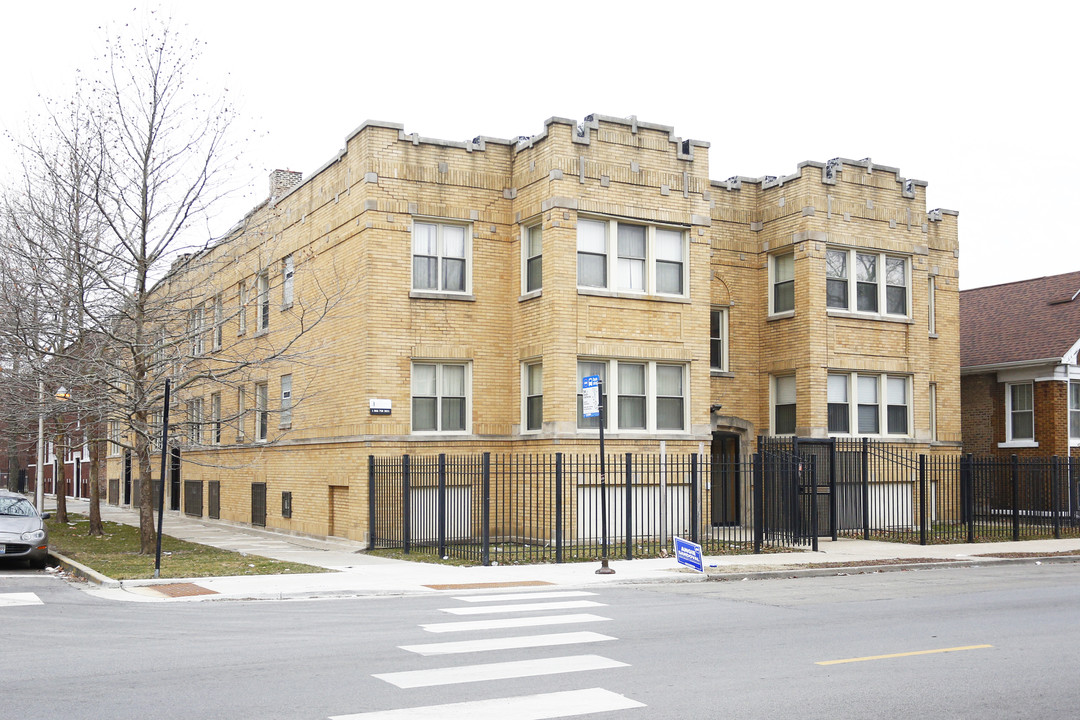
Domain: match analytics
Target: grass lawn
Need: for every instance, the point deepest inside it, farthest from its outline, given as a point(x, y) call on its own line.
point(116, 554)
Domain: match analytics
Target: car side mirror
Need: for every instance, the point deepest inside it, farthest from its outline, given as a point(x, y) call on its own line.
point(46, 516)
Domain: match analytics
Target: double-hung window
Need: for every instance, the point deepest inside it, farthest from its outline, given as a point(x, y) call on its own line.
point(534, 396)
point(1074, 411)
point(1020, 412)
point(195, 417)
point(197, 316)
point(646, 396)
point(215, 419)
point(219, 321)
point(288, 271)
point(440, 397)
point(783, 420)
point(241, 412)
point(718, 339)
point(881, 406)
point(532, 255)
point(262, 301)
point(241, 310)
point(782, 269)
point(440, 257)
point(632, 258)
point(285, 420)
point(262, 412)
point(867, 282)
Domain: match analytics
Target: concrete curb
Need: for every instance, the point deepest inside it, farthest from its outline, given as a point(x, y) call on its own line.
point(80, 570)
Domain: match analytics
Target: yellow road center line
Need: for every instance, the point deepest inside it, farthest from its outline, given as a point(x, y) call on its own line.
point(906, 654)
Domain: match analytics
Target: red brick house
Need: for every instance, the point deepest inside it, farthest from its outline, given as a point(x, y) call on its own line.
point(1020, 379)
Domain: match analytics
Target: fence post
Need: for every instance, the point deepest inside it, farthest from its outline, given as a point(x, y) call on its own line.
point(1016, 497)
point(1055, 492)
point(371, 501)
point(864, 468)
point(406, 493)
point(695, 501)
point(485, 531)
point(922, 500)
point(813, 503)
point(440, 520)
point(628, 501)
point(967, 491)
point(558, 508)
point(758, 479)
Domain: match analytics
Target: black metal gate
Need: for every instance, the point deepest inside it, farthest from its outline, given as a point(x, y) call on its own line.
point(213, 500)
point(193, 504)
point(174, 479)
point(258, 504)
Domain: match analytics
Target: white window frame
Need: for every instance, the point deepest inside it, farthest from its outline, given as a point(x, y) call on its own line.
point(241, 300)
point(262, 411)
point(441, 256)
point(215, 418)
point(774, 282)
point(613, 275)
point(219, 322)
point(285, 418)
point(241, 412)
point(197, 320)
point(880, 281)
point(530, 255)
point(931, 306)
point(1010, 439)
point(612, 393)
point(718, 339)
point(881, 401)
point(1074, 412)
point(195, 418)
point(439, 396)
point(262, 302)
point(288, 274)
point(530, 371)
point(774, 397)
point(933, 412)
point(157, 421)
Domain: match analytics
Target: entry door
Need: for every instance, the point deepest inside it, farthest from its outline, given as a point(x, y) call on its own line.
point(174, 479)
point(725, 481)
point(338, 517)
point(258, 504)
point(127, 477)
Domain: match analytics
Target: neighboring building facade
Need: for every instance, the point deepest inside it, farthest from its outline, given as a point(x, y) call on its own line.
point(468, 287)
point(1020, 379)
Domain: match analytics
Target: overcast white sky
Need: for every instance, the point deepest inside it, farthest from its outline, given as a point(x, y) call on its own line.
point(978, 99)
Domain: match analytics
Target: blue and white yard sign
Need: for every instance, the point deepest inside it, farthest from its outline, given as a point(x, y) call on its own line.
point(590, 396)
point(689, 554)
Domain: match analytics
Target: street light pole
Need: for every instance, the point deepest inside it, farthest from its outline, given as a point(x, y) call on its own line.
point(164, 463)
point(39, 479)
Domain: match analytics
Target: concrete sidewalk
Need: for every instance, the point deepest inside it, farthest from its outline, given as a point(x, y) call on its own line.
point(359, 574)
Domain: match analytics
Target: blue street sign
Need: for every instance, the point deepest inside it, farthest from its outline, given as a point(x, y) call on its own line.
point(590, 396)
point(689, 554)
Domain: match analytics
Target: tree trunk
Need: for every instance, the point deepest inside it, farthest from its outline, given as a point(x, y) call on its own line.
point(96, 527)
point(59, 481)
point(147, 532)
point(14, 466)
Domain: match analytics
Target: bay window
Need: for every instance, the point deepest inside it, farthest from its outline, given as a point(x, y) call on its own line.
point(642, 259)
point(880, 282)
point(882, 404)
point(646, 396)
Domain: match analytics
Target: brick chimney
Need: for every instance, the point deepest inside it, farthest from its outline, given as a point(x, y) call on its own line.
point(281, 182)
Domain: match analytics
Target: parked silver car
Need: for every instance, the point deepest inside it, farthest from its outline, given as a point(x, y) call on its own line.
point(23, 535)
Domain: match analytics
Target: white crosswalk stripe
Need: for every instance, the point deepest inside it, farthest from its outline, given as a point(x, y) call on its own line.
point(16, 599)
point(545, 706)
point(518, 622)
point(506, 643)
point(498, 671)
point(525, 596)
point(526, 607)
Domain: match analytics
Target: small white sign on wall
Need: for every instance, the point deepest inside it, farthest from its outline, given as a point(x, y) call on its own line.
point(379, 406)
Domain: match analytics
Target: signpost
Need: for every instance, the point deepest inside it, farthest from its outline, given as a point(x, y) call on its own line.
point(689, 554)
point(592, 392)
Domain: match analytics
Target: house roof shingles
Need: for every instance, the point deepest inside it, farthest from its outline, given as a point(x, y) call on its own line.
point(1026, 320)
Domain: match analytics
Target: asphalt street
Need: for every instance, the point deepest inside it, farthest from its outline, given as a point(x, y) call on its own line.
point(960, 642)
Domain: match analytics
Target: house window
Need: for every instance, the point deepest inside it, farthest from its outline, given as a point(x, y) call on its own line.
point(869, 414)
point(116, 438)
point(219, 321)
point(534, 396)
point(641, 258)
point(440, 257)
point(784, 405)
point(1074, 410)
point(241, 412)
point(286, 401)
point(440, 397)
point(262, 412)
point(215, 418)
point(646, 396)
point(287, 272)
point(533, 255)
point(157, 426)
point(262, 301)
point(880, 282)
point(931, 306)
point(933, 412)
point(195, 416)
point(196, 321)
point(1020, 412)
point(241, 312)
point(839, 406)
point(718, 344)
point(783, 283)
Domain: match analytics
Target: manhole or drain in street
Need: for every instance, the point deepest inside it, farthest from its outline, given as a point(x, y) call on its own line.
point(183, 590)
point(484, 586)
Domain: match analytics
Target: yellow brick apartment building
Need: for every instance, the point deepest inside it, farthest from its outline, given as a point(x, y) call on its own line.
point(419, 296)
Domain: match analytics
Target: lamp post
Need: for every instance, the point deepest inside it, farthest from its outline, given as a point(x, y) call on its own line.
point(39, 484)
point(59, 476)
